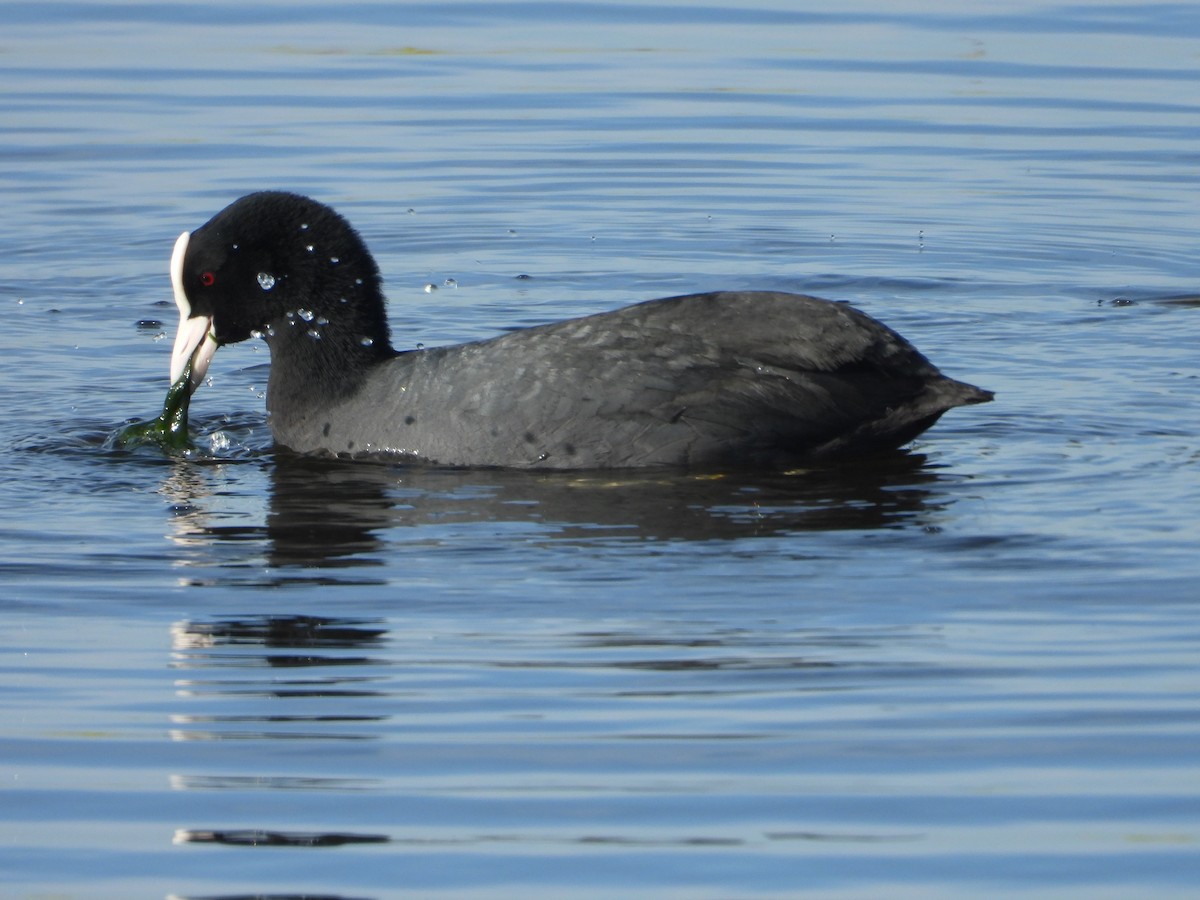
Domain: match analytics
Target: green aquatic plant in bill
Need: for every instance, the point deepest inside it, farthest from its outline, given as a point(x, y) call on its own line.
point(170, 429)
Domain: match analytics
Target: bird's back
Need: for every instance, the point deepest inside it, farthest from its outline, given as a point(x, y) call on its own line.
point(732, 378)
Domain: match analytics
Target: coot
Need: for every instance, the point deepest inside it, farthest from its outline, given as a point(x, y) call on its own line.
point(725, 379)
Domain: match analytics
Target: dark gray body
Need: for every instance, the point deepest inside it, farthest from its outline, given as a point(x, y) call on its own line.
point(721, 379)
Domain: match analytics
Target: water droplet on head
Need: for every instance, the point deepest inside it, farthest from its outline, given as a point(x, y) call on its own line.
point(358, 281)
point(314, 334)
point(321, 320)
point(367, 342)
point(334, 260)
point(266, 280)
point(304, 226)
point(305, 314)
point(309, 247)
point(255, 333)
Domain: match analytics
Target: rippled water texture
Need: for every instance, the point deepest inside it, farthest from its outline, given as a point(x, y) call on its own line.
point(969, 670)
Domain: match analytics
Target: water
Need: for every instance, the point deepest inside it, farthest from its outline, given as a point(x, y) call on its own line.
point(971, 669)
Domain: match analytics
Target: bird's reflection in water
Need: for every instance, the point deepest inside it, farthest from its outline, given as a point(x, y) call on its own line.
point(329, 514)
point(321, 666)
point(255, 837)
point(332, 522)
point(270, 678)
point(280, 687)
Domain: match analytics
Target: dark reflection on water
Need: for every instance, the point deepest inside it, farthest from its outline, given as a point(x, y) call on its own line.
point(296, 678)
point(285, 631)
point(224, 659)
point(258, 838)
point(316, 498)
point(329, 515)
point(273, 658)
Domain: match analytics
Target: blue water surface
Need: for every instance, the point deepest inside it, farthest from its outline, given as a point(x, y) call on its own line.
point(970, 669)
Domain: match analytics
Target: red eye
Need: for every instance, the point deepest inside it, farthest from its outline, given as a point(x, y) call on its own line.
point(208, 279)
